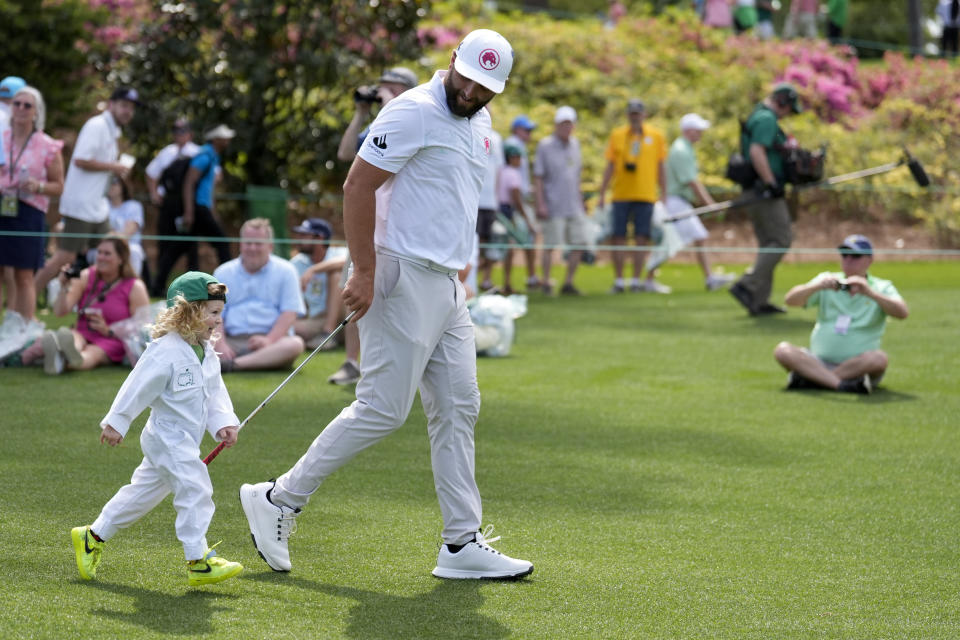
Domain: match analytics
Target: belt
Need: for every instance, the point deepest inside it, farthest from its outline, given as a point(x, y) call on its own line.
point(423, 262)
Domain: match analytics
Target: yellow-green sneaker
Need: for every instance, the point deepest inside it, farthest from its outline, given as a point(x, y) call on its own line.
point(210, 569)
point(88, 550)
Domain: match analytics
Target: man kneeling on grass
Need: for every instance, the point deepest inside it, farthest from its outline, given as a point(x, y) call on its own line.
point(853, 306)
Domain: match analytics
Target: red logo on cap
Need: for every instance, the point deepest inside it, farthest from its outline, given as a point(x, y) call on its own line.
point(489, 59)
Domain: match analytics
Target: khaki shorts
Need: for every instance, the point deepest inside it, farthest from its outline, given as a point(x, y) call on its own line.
point(239, 343)
point(96, 231)
point(559, 231)
point(875, 379)
point(310, 327)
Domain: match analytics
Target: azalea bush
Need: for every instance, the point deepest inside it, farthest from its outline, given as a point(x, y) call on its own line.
point(865, 113)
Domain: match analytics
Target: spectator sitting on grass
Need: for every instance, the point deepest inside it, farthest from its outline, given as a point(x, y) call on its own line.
point(103, 294)
point(264, 302)
point(853, 306)
point(319, 267)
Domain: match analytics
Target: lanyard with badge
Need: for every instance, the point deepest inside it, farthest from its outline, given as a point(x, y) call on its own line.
point(8, 208)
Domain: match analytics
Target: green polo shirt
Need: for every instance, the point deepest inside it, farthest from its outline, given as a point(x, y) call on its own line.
point(866, 325)
point(681, 169)
point(762, 129)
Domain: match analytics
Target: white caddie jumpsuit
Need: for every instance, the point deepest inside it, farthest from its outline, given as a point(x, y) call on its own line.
point(417, 333)
point(185, 397)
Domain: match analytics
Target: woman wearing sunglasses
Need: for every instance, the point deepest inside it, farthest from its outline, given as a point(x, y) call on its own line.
point(31, 173)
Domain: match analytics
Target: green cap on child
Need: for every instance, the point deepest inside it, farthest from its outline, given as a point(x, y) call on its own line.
point(193, 287)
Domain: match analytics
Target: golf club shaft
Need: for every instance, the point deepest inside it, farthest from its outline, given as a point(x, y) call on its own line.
point(213, 454)
point(743, 201)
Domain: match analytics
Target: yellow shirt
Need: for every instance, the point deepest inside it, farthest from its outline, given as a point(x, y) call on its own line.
point(625, 149)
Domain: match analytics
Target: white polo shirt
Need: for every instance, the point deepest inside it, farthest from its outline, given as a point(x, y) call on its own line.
point(84, 191)
point(428, 208)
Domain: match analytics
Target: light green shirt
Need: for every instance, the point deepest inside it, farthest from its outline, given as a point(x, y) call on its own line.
point(682, 169)
point(848, 325)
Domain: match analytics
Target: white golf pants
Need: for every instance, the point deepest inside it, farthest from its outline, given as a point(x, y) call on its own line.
point(416, 334)
point(180, 471)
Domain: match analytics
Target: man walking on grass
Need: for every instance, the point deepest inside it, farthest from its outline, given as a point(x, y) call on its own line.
point(410, 213)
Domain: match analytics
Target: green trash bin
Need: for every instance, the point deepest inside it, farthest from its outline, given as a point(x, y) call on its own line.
point(271, 203)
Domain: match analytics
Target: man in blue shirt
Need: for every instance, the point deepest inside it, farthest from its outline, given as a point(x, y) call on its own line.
point(264, 302)
point(199, 212)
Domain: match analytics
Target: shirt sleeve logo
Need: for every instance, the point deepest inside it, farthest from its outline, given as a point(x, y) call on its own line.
point(380, 141)
point(486, 144)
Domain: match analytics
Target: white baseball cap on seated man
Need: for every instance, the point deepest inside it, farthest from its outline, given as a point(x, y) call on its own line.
point(565, 114)
point(485, 57)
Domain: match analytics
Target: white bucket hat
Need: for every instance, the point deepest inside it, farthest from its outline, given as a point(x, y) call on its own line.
point(485, 57)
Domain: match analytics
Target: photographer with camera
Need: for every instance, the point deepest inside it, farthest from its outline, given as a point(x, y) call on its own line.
point(635, 155)
point(392, 83)
point(103, 294)
point(852, 309)
point(762, 142)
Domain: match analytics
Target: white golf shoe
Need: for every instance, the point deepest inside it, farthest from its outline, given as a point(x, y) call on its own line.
point(478, 560)
point(270, 525)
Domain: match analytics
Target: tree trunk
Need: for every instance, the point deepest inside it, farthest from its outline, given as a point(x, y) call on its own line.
point(916, 33)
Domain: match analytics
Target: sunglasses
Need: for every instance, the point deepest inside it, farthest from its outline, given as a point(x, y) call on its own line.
point(23, 105)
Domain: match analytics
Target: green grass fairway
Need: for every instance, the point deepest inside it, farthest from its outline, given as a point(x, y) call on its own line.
point(639, 449)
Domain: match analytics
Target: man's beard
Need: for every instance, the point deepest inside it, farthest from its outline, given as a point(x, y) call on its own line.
point(453, 104)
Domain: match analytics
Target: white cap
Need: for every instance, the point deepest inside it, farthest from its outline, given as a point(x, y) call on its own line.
point(485, 57)
point(565, 114)
point(220, 131)
point(693, 121)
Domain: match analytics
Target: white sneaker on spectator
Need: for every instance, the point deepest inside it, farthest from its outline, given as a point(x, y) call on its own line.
point(52, 358)
point(653, 286)
point(719, 281)
point(68, 346)
point(16, 341)
point(478, 560)
point(270, 525)
point(348, 373)
point(12, 324)
point(34, 329)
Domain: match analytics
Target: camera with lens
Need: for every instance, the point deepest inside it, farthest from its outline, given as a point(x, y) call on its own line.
point(74, 270)
point(843, 286)
point(630, 166)
point(367, 94)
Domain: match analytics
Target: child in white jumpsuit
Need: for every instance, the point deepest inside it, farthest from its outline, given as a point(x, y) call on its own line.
point(178, 377)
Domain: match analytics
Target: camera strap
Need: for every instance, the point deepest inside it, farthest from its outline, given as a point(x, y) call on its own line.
point(89, 295)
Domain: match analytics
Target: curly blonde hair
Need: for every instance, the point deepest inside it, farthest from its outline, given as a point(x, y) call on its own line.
point(187, 318)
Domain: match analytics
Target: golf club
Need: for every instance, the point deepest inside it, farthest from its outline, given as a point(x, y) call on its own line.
point(213, 454)
point(916, 170)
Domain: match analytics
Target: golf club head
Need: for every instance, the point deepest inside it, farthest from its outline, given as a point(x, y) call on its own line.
point(916, 170)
